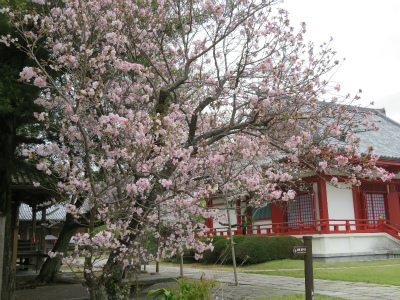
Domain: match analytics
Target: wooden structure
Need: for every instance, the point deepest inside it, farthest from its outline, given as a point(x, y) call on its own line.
point(358, 222)
point(29, 253)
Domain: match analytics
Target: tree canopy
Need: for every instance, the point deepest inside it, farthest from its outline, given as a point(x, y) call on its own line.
point(163, 104)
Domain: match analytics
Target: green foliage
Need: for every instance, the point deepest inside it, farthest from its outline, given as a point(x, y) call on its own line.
point(258, 248)
point(222, 253)
point(220, 249)
point(189, 254)
point(211, 257)
point(123, 290)
point(186, 289)
point(286, 244)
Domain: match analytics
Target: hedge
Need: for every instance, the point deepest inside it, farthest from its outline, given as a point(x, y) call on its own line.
point(222, 252)
point(189, 254)
point(251, 249)
point(258, 248)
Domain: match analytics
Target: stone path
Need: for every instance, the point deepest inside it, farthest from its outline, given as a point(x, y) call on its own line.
point(256, 285)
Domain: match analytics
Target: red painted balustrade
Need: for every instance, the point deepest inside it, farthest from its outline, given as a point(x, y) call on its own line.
point(314, 227)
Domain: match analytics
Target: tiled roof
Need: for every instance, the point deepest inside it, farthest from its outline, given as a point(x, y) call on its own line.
point(53, 213)
point(26, 175)
point(386, 141)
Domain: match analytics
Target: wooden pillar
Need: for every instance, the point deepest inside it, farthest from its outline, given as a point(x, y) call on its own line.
point(322, 200)
point(393, 207)
point(238, 212)
point(357, 203)
point(34, 222)
point(238, 217)
point(277, 215)
point(15, 239)
point(42, 237)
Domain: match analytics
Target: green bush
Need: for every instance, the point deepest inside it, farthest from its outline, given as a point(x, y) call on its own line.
point(286, 244)
point(237, 239)
point(189, 254)
point(254, 250)
point(219, 252)
point(258, 248)
point(186, 289)
point(208, 255)
point(222, 252)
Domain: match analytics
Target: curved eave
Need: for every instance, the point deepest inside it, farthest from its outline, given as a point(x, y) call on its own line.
point(391, 164)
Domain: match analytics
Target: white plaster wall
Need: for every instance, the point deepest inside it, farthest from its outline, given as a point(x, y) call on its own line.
point(222, 212)
point(217, 201)
point(353, 243)
point(340, 203)
point(262, 222)
point(264, 225)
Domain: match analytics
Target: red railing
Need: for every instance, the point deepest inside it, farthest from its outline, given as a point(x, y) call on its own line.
point(314, 227)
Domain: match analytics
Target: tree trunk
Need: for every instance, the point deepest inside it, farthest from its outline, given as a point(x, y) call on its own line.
point(7, 283)
point(52, 265)
point(232, 244)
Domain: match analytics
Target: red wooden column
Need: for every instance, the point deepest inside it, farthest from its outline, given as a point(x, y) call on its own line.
point(393, 207)
point(209, 222)
point(277, 216)
point(249, 229)
point(393, 202)
point(322, 199)
point(357, 203)
point(238, 217)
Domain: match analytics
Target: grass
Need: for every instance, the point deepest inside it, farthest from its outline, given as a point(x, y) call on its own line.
point(378, 271)
point(296, 297)
point(299, 264)
point(381, 272)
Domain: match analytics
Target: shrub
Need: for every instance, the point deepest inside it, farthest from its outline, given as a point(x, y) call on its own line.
point(219, 252)
point(258, 248)
point(186, 289)
point(286, 244)
point(210, 257)
point(222, 252)
point(254, 250)
point(189, 254)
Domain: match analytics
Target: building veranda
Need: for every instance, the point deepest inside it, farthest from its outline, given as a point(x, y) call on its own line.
point(348, 223)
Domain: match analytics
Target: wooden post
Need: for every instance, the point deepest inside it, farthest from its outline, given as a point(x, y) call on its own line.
point(16, 231)
point(308, 268)
point(42, 237)
point(159, 237)
point(34, 222)
point(181, 266)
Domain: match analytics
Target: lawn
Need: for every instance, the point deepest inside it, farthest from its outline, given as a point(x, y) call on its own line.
point(381, 272)
point(378, 271)
point(299, 264)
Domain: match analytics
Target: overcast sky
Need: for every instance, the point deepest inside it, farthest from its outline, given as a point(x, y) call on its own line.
point(367, 34)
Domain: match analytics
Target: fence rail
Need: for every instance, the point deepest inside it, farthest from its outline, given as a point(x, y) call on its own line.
point(314, 227)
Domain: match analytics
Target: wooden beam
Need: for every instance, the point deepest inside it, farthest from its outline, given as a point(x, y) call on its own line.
point(15, 238)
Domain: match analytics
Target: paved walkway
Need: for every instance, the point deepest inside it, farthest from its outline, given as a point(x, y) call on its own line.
point(256, 285)
point(251, 286)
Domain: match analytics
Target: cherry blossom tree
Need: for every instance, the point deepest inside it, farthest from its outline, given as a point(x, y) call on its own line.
point(162, 104)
